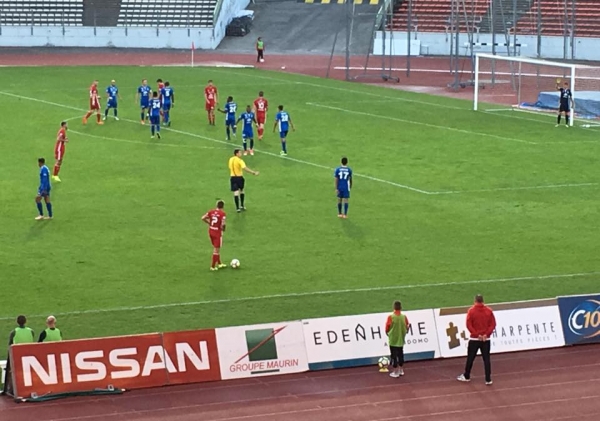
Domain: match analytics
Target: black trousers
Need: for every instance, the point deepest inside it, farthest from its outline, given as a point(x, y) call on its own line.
point(260, 55)
point(474, 347)
point(396, 356)
point(7, 389)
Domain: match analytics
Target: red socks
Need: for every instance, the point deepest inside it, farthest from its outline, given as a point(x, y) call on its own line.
point(216, 259)
point(98, 118)
point(260, 132)
point(56, 169)
point(89, 114)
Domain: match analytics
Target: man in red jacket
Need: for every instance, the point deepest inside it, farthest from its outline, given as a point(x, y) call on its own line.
point(481, 324)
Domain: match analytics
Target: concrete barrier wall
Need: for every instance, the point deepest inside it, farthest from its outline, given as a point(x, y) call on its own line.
point(439, 44)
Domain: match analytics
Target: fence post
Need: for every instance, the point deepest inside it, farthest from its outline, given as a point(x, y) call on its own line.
point(539, 28)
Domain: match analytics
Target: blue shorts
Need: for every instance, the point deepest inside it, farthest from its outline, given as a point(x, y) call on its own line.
point(144, 105)
point(43, 193)
point(112, 103)
point(167, 106)
point(154, 119)
point(229, 122)
point(248, 134)
point(283, 134)
point(343, 194)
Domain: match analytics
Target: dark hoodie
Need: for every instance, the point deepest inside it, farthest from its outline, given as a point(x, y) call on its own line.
point(480, 321)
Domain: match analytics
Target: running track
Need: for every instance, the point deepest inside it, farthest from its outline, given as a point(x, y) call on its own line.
point(549, 385)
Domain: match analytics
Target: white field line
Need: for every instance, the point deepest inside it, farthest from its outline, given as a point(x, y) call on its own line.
point(419, 123)
point(352, 91)
point(499, 189)
point(139, 142)
point(132, 89)
point(320, 293)
point(368, 177)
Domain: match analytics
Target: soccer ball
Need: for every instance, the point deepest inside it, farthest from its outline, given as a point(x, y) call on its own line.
point(384, 362)
point(235, 263)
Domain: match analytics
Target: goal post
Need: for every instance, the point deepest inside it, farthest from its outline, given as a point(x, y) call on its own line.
point(530, 85)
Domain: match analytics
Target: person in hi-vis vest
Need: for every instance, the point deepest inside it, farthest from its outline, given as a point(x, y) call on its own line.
point(51, 333)
point(21, 335)
point(260, 50)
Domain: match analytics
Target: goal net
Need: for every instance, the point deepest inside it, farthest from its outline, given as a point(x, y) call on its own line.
point(530, 85)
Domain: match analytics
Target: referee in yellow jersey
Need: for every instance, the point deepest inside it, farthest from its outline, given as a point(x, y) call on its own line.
point(237, 166)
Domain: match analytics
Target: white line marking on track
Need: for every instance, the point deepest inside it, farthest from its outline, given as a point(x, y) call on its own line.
point(449, 364)
point(420, 123)
point(445, 396)
point(327, 292)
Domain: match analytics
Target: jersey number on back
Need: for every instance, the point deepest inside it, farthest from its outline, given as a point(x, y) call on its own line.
point(214, 221)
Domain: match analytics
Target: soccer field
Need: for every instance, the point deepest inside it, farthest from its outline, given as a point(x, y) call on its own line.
point(446, 203)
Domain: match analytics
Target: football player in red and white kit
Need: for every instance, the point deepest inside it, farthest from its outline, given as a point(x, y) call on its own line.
point(211, 98)
point(94, 104)
point(215, 219)
point(261, 106)
point(59, 149)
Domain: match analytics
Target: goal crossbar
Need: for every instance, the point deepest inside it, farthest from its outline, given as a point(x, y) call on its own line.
point(521, 77)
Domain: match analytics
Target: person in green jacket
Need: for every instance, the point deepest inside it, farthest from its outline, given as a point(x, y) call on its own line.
point(21, 335)
point(396, 328)
point(51, 333)
point(260, 50)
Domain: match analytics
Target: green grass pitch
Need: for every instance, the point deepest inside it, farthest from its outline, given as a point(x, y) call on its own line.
point(443, 196)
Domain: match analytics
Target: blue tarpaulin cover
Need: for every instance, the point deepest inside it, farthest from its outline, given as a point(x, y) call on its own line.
point(587, 103)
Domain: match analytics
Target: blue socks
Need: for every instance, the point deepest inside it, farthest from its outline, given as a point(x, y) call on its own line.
point(106, 112)
point(339, 208)
point(142, 116)
point(49, 208)
point(167, 117)
point(40, 209)
point(251, 143)
point(346, 208)
point(284, 146)
point(228, 133)
point(115, 111)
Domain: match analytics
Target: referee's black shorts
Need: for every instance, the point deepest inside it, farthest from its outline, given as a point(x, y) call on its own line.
point(237, 183)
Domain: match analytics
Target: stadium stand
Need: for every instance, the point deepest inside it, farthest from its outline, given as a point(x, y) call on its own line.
point(171, 13)
point(41, 12)
point(435, 16)
point(555, 20)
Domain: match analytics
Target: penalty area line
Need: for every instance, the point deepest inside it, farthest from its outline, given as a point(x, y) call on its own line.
point(139, 142)
point(299, 161)
point(420, 123)
point(320, 293)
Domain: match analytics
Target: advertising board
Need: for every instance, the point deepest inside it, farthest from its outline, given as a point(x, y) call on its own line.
point(580, 315)
point(261, 350)
point(350, 341)
point(519, 327)
point(124, 362)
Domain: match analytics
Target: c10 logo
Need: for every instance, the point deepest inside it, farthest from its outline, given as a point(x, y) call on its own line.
point(584, 320)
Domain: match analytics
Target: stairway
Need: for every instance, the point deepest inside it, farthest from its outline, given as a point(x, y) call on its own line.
point(101, 12)
point(500, 16)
